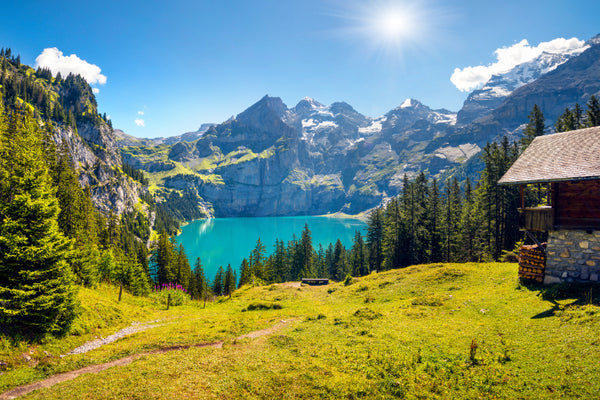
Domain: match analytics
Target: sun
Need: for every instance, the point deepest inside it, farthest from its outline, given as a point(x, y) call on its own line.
point(394, 25)
point(389, 30)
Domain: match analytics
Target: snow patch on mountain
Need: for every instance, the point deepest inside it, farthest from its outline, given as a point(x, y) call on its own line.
point(375, 127)
point(459, 153)
point(408, 103)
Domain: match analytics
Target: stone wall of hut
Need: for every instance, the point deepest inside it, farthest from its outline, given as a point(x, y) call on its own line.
point(572, 256)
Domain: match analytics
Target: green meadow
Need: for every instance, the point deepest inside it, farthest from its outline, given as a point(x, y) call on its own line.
point(427, 331)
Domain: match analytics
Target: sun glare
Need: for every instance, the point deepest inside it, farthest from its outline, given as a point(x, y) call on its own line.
point(389, 29)
point(393, 25)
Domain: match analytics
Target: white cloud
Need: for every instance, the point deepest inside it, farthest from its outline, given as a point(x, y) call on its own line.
point(95, 90)
point(470, 78)
point(53, 59)
point(140, 113)
point(140, 122)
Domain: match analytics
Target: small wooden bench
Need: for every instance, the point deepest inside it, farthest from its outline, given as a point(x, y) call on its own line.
point(315, 281)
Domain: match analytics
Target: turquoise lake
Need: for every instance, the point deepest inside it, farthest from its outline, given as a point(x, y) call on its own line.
point(222, 241)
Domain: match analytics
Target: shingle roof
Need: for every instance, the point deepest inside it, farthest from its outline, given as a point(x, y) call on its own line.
point(565, 156)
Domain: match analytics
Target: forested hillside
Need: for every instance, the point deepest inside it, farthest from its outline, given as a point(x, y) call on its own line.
point(71, 213)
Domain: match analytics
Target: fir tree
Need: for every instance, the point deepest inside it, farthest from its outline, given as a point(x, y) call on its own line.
point(358, 259)
point(200, 289)
point(229, 281)
point(306, 254)
point(183, 268)
point(535, 127)
point(218, 289)
point(37, 292)
point(245, 273)
point(375, 239)
point(593, 112)
point(257, 259)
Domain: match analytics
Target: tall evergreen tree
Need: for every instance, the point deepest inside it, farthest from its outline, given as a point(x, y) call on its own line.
point(452, 214)
point(37, 292)
point(535, 127)
point(228, 281)
point(434, 219)
point(257, 260)
point(245, 273)
point(200, 289)
point(165, 260)
point(218, 288)
point(375, 239)
point(593, 112)
point(339, 261)
point(306, 254)
point(468, 226)
point(184, 270)
point(358, 260)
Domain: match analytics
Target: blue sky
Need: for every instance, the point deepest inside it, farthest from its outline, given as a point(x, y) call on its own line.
point(173, 65)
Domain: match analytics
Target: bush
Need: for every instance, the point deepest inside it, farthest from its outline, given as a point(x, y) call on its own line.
point(348, 280)
point(178, 294)
point(262, 305)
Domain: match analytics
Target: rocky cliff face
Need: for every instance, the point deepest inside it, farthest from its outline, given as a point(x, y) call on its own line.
point(96, 156)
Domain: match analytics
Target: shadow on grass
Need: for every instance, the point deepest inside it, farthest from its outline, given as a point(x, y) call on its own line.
point(580, 294)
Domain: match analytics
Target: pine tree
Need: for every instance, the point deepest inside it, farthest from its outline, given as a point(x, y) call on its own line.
point(593, 112)
point(37, 292)
point(257, 259)
point(306, 254)
point(245, 273)
point(358, 259)
point(565, 122)
point(184, 271)
point(229, 281)
point(165, 259)
point(434, 220)
point(392, 237)
point(451, 220)
point(339, 261)
point(468, 226)
point(218, 288)
point(375, 239)
point(535, 127)
point(200, 290)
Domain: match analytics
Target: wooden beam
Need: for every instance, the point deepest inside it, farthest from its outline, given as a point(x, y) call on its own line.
point(522, 192)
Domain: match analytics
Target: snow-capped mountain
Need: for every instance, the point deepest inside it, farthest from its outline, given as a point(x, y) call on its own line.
point(324, 126)
point(403, 118)
point(482, 101)
point(315, 158)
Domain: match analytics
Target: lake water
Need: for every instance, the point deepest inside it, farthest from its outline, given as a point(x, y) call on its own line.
point(222, 241)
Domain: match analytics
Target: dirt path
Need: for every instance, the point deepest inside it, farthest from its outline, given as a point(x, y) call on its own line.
point(94, 344)
point(93, 369)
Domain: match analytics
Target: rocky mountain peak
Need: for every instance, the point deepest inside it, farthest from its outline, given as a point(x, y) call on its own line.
point(593, 41)
point(482, 101)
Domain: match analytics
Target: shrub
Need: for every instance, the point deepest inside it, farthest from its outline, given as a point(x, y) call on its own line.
point(178, 294)
point(262, 305)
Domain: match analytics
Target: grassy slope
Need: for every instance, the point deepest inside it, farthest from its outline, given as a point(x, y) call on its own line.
point(405, 333)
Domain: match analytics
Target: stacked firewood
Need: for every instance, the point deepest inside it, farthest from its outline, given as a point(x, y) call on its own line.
point(532, 262)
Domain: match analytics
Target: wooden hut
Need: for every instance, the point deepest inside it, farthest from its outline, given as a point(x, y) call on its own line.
point(570, 163)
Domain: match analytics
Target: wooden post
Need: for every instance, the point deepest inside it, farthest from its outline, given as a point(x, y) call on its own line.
point(168, 301)
point(120, 293)
point(522, 192)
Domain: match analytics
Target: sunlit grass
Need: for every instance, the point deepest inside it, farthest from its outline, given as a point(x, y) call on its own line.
point(428, 331)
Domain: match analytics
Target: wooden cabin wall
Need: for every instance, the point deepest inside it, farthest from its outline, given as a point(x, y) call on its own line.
point(577, 204)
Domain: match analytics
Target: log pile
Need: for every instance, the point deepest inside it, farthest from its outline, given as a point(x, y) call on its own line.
point(532, 262)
